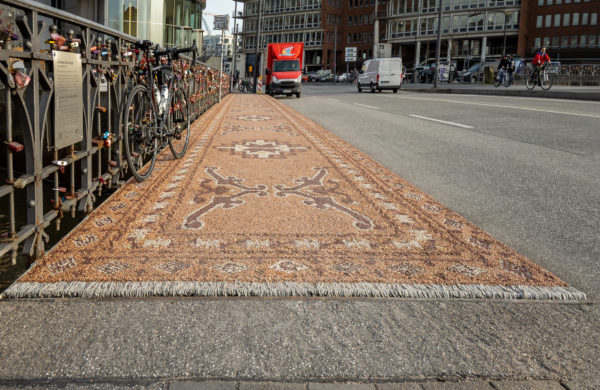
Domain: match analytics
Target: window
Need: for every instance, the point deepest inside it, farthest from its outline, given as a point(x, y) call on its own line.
point(538, 23)
point(594, 19)
point(564, 41)
point(584, 18)
point(576, 19)
point(582, 40)
point(557, 20)
point(558, 2)
point(540, 2)
point(573, 40)
point(548, 21)
point(548, 2)
point(555, 41)
point(591, 40)
point(537, 42)
point(566, 18)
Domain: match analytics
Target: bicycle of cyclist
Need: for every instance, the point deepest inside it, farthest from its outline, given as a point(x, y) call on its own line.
point(503, 77)
point(540, 72)
point(156, 113)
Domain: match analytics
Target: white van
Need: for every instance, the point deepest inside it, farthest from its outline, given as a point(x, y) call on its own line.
point(381, 73)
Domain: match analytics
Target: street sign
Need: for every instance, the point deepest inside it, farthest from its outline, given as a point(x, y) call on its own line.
point(350, 54)
point(221, 22)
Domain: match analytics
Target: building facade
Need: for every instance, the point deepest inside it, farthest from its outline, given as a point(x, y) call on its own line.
point(326, 27)
point(167, 22)
point(568, 28)
point(472, 30)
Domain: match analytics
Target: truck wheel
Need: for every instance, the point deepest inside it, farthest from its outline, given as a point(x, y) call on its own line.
point(395, 90)
point(297, 95)
point(359, 88)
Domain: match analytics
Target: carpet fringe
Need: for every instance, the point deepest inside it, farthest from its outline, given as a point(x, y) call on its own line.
point(279, 289)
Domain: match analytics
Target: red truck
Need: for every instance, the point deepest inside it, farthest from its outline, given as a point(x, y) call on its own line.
point(284, 64)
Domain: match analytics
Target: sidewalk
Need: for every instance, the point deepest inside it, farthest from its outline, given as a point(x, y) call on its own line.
point(556, 92)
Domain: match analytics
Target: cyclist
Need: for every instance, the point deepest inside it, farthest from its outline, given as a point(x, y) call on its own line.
point(511, 68)
point(540, 60)
point(503, 67)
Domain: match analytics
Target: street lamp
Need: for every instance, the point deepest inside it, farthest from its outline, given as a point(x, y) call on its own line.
point(506, 14)
point(438, 47)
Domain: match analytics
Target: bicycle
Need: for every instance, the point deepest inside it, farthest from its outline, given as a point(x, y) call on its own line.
point(541, 78)
point(245, 86)
point(503, 78)
point(156, 112)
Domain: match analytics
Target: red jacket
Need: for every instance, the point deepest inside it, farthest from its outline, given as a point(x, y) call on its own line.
point(540, 58)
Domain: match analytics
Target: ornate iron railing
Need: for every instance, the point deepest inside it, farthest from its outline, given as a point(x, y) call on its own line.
point(50, 177)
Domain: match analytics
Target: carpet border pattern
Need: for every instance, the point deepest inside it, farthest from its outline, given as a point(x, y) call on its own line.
point(280, 289)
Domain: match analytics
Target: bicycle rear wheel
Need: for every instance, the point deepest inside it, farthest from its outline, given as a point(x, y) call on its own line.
point(138, 126)
point(546, 81)
point(531, 81)
point(179, 123)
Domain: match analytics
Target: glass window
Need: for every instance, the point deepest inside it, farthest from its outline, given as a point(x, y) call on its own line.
point(558, 2)
point(582, 40)
point(566, 19)
point(556, 20)
point(537, 42)
point(548, 2)
point(576, 19)
point(548, 21)
point(573, 40)
point(555, 41)
point(538, 23)
point(591, 40)
point(540, 2)
point(564, 41)
point(594, 19)
point(584, 18)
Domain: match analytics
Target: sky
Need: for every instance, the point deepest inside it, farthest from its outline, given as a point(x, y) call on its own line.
point(220, 7)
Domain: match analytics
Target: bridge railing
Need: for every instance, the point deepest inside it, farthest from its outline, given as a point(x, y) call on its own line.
point(63, 80)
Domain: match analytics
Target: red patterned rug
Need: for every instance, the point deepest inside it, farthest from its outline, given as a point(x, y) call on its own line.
point(266, 202)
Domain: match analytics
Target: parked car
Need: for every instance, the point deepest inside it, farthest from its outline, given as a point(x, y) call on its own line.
point(471, 75)
point(381, 73)
point(426, 71)
point(326, 78)
point(304, 77)
point(341, 78)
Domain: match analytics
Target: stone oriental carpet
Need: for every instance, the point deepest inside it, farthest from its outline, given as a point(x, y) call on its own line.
point(266, 202)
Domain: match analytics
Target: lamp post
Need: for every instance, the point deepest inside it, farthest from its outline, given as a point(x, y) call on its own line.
point(438, 47)
point(255, 69)
point(506, 14)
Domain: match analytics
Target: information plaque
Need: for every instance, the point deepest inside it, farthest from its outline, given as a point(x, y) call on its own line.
point(68, 99)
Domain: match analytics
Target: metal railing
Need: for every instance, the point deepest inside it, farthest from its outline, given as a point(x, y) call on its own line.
point(38, 170)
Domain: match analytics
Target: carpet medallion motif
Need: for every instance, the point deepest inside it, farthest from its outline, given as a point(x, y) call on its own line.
point(266, 202)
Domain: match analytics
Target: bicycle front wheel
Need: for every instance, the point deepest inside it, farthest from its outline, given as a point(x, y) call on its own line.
point(138, 128)
point(497, 81)
point(546, 81)
point(179, 123)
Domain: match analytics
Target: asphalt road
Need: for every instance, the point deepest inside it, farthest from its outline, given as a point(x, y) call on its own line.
point(526, 170)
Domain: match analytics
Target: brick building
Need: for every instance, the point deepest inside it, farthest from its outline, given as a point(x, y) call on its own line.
point(314, 22)
point(568, 28)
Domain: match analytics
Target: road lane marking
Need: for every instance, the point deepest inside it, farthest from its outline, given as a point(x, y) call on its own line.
point(364, 105)
point(333, 100)
point(441, 121)
point(500, 106)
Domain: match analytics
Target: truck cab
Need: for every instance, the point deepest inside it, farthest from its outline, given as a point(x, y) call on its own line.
point(284, 64)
